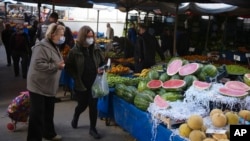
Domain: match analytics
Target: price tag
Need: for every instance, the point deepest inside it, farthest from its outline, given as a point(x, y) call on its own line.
point(236, 57)
point(248, 55)
point(191, 49)
point(224, 55)
point(217, 131)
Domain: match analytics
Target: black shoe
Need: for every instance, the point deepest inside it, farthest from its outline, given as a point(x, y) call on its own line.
point(94, 134)
point(57, 99)
point(74, 123)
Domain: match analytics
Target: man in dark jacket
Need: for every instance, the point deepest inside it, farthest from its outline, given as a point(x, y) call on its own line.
point(6, 34)
point(145, 50)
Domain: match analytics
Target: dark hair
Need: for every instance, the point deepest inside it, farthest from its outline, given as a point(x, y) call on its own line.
point(142, 25)
point(54, 15)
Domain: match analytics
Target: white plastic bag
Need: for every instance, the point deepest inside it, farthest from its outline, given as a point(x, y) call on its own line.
point(100, 87)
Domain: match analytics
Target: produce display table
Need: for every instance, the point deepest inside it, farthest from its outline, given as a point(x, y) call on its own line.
point(139, 124)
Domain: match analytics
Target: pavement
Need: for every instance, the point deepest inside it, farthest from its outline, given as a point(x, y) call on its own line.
point(11, 86)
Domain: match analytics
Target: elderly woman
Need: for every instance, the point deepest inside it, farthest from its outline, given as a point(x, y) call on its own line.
point(82, 64)
point(43, 82)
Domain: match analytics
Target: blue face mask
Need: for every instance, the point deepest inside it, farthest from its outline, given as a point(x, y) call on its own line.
point(61, 40)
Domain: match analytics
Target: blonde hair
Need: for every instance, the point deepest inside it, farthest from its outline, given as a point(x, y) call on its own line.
point(53, 29)
point(82, 34)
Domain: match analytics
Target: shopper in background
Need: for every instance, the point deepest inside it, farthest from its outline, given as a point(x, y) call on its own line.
point(82, 64)
point(53, 18)
point(43, 82)
point(20, 50)
point(132, 34)
point(6, 34)
point(167, 42)
point(109, 32)
point(145, 50)
point(32, 33)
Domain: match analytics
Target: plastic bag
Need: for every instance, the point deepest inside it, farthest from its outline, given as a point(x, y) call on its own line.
point(100, 87)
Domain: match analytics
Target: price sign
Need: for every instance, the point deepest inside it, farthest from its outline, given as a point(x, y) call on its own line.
point(236, 57)
point(224, 55)
point(191, 49)
point(248, 55)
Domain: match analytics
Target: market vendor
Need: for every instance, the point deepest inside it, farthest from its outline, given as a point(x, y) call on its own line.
point(145, 49)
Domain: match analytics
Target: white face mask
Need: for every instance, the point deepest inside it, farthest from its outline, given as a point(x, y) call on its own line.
point(61, 40)
point(90, 41)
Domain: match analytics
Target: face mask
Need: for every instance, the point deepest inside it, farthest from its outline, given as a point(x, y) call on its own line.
point(90, 41)
point(61, 40)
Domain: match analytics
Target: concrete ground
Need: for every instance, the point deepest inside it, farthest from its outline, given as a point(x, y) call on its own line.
point(10, 87)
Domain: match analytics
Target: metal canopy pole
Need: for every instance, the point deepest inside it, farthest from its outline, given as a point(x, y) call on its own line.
point(175, 29)
point(97, 26)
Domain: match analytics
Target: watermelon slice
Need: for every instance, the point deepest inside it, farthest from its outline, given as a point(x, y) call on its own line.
point(174, 84)
point(154, 84)
point(232, 92)
point(160, 102)
point(201, 85)
point(237, 85)
point(188, 69)
point(174, 66)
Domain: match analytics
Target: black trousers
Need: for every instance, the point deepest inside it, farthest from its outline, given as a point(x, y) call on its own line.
point(8, 54)
point(41, 117)
point(84, 100)
point(16, 56)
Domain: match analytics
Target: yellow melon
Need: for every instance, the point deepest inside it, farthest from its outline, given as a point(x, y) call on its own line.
point(184, 130)
point(245, 114)
point(215, 111)
point(197, 135)
point(219, 120)
point(232, 118)
point(195, 122)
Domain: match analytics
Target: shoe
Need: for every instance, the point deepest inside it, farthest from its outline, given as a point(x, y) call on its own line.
point(57, 100)
point(74, 123)
point(56, 138)
point(94, 134)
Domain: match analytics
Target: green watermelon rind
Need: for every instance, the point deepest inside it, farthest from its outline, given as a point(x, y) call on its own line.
point(230, 95)
point(142, 101)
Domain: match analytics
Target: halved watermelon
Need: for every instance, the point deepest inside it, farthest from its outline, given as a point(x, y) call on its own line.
point(188, 69)
point(174, 84)
point(154, 84)
point(232, 92)
point(174, 66)
point(237, 85)
point(201, 85)
point(160, 102)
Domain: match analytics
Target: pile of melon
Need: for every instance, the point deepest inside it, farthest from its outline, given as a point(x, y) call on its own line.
point(195, 127)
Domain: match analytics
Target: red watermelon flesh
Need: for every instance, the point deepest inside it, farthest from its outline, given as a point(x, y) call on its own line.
point(232, 92)
point(188, 69)
point(173, 84)
point(154, 84)
point(201, 85)
point(160, 102)
point(237, 85)
point(174, 67)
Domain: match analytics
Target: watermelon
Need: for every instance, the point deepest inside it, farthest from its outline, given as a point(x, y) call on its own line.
point(172, 96)
point(201, 85)
point(174, 84)
point(237, 85)
point(142, 85)
point(154, 84)
point(142, 101)
point(164, 77)
point(246, 79)
point(210, 70)
point(232, 92)
point(153, 75)
point(188, 69)
point(174, 66)
point(189, 80)
point(160, 102)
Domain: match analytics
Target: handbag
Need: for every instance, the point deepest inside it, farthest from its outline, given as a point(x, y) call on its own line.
point(100, 86)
